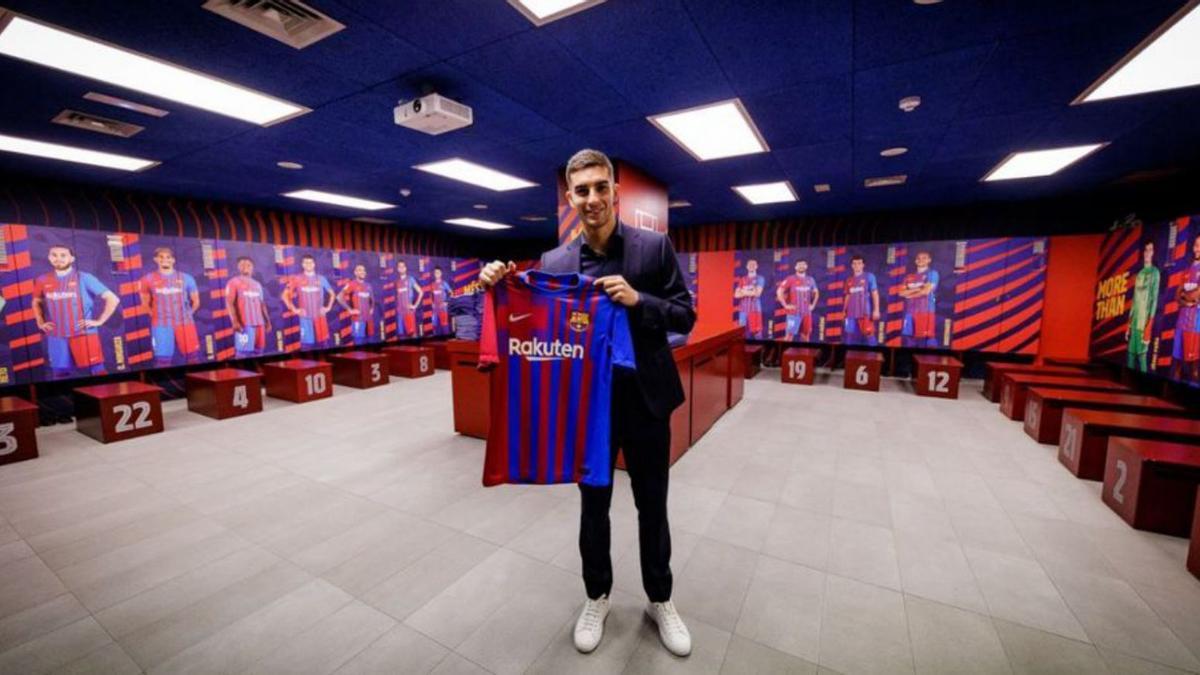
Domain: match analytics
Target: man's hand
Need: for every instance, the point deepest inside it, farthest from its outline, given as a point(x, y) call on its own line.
point(353, 312)
point(493, 272)
point(87, 323)
point(789, 308)
point(46, 326)
point(299, 311)
point(237, 326)
point(618, 290)
point(875, 315)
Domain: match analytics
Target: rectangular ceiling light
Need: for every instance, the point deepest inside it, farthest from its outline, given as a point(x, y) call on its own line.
point(1040, 162)
point(542, 12)
point(52, 47)
point(479, 224)
point(338, 200)
point(884, 181)
point(712, 131)
point(68, 153)
point(470, 172)
point(1168, 59)
point(767, 193)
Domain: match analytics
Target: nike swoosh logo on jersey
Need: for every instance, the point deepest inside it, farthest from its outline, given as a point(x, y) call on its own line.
point(513, 318)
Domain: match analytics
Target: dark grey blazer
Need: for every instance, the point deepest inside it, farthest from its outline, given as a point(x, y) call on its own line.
point(649, 265)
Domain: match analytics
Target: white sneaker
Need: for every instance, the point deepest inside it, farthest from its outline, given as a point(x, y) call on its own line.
point(671, 630)
point(589, 628)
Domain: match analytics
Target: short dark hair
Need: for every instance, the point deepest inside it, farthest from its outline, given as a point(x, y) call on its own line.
point(163, 249)
point(857, 257)
point(362, 265)
point(246, 258)
point(68, 249)
point(437, 268)
point(308, 256)
point(585, 159)
point(925, 252)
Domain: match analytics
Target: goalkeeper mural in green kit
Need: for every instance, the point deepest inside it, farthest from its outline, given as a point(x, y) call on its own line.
point(1141, 314)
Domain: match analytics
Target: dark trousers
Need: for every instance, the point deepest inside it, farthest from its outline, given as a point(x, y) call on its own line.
point(646, 442)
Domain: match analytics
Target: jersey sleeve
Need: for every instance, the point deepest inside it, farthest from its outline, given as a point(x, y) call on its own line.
point(488, 352)
point(189, 284)
point(91, 284)
point(933, 280)
point(872, 285)
point(325, 285)
point(621, 341)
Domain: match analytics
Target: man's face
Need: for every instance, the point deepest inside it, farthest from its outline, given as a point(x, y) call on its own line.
point(591, 191)
point(308, 265)
point(1148, 254)
point(923, 260)
point(245, 268)
point(402, 269)
point(751, 266)
point(437, 274)
point(61, 259)
point(857, 266)
point(801, 267)
point(360, 272)
point(1196, 248)
point(165, 260)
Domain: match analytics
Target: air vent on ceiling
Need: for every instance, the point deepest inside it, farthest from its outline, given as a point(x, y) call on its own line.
point(881, 181)
point(291, 22)
point(104, 125)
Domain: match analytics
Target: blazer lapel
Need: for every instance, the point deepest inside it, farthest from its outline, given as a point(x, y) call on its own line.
point(631, 244)
point(573, 254)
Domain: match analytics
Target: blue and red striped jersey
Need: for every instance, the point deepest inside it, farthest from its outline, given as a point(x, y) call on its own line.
point(169, 297)
point(554, 339)
point(67, 299)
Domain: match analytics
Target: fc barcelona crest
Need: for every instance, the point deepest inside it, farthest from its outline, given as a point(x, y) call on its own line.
point(579, 321)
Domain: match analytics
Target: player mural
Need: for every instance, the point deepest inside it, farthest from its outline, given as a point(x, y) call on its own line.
point(1185, 351)
point(357, 298)
point(861, 304)
point(798, 296)
point(748, 289)
point(309, 296)
point(171, 298)
point(246, 302)
point(1143, 309)
point(408, 298)
point(439, 294)
point(1146, 312)
point(69, 306)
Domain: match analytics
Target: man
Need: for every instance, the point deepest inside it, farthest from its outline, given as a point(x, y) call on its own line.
point(920, 304)
point(358, 299)
point(247, 307)
point(309, 296)
point(747, 291)
point(798, 295)
point(1185, 365)
point(440, 292)
point(862, 304)
point(63, 300)
point(171, 298)
point(408, 299)
point(637, 269)
point(1141, 313)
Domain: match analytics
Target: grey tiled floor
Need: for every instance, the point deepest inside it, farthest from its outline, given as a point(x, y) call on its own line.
point(815, 530)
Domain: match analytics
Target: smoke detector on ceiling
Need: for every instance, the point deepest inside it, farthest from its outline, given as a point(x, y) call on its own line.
point(433, 114)
point(289, 21)
point(910, 103)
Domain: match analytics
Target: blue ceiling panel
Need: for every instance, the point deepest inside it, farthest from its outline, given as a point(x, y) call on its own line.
point(813, 111)
point(776, 43)
point(649, 51)
point(821, 79)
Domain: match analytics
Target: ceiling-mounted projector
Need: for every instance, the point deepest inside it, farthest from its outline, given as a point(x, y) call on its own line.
point(433, 114)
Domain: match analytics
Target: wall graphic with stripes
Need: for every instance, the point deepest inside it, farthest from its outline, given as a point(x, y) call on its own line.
point(1146, 312)
point(88, 302)
point(974, 294)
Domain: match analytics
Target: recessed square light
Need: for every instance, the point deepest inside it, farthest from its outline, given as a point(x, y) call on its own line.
point(46, 45)
point(542, 12)
point(338, 200)
point(477, 223)
point(1036, 163)
point(1169, 58)
point(712, 131)
point(475, 174)
point(767, 193)
point(70, 153)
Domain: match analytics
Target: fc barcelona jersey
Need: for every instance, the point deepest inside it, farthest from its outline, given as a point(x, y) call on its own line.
point(170, 297)
point(799, 292)
point(858, 295)
point(554, 340)
point(924, 303)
